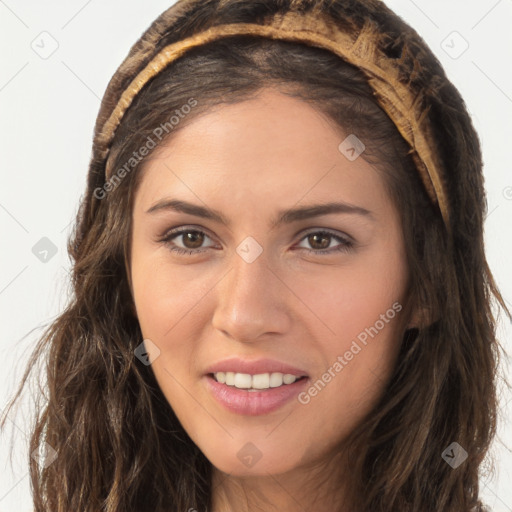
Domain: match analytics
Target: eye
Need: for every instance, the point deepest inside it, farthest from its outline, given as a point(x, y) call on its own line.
point(321, 242)
point(192, 239)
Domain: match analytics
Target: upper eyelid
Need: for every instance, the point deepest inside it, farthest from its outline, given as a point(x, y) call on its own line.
point(180, 230)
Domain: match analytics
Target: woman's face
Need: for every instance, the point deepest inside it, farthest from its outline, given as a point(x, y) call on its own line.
point(271, 275)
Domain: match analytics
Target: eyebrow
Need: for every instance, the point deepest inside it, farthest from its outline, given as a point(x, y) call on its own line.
point(284, 216)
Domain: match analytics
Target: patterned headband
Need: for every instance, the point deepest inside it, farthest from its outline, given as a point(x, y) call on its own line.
point(402, 104)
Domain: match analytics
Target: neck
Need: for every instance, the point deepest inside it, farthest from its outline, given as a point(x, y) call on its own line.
point(321, 486)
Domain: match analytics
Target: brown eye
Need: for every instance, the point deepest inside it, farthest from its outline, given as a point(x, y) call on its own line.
point(319, 241)
point(192, 239)
point(186, 241)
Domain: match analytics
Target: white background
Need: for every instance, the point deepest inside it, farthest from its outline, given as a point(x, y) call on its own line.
point(48, 108)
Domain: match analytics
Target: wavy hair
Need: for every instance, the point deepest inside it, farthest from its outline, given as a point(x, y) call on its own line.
point(120, 447)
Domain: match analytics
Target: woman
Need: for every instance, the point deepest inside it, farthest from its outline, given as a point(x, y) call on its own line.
point(281, 297)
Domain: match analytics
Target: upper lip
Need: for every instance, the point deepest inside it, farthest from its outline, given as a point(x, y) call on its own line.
point(255, 367)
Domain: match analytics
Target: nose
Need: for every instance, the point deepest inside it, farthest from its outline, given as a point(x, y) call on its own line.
point(252, 301)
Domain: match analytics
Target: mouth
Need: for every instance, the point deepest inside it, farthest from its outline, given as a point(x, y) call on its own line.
point(255, 382)
point(254, 394)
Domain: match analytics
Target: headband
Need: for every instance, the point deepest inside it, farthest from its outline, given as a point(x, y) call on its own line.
point(403, 106)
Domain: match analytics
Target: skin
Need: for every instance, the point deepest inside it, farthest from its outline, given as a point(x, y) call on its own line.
point(249, 161)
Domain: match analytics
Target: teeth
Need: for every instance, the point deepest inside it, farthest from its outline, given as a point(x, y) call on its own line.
point(254, 382)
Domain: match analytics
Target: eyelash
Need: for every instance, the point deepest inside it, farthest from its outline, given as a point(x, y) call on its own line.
point(346, 246)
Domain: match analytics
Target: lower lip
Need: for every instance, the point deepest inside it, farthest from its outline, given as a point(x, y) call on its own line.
point(254, 403)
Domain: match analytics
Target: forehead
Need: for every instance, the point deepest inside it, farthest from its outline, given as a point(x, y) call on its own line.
point(270, 149)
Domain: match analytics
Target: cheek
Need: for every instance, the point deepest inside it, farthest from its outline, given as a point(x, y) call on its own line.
point(168, 306)
point(160, 302)
point(356, 323)
point(163, 295)
point(346, 300)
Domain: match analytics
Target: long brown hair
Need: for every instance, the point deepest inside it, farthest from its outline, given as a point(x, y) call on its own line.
point(120, 446)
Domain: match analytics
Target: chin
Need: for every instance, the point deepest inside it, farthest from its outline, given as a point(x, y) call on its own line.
point(241, 465)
